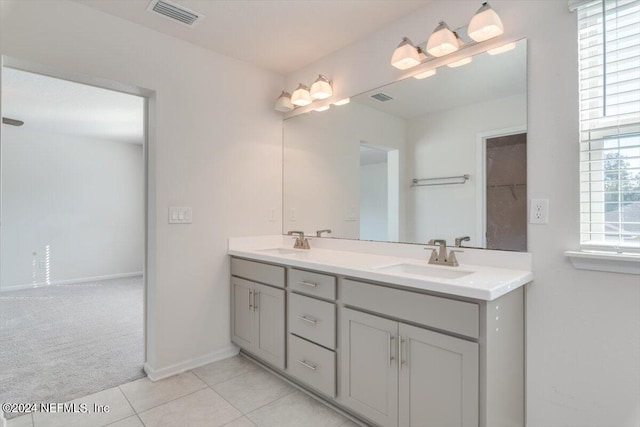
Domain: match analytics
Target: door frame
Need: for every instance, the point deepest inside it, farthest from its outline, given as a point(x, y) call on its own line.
point(149, 144)
point(481, 176)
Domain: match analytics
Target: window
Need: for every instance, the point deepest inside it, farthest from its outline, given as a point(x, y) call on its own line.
point(609, 67)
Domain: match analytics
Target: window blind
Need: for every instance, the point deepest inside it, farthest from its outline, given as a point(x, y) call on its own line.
point(609, 75)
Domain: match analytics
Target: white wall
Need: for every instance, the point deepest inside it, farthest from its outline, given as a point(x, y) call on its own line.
point(444, 143)
point(583, 328)
point(374, 200)
point(322, 165)
point(72, 208)
point(212, 149)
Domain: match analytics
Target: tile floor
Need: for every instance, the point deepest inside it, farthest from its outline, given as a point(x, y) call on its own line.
point(231, 393)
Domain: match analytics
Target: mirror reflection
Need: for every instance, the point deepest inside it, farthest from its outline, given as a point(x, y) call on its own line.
point(442, 157)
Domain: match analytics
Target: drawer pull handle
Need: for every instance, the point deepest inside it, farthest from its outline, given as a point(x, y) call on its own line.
point(306, 365)
point(308, 319)
point(390, 358)
point(312, 285)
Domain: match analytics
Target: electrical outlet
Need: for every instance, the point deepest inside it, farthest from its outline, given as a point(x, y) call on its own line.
point(272, 215)
point(539, 211)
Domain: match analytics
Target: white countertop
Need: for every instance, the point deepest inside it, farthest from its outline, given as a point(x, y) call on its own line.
point(483, 283)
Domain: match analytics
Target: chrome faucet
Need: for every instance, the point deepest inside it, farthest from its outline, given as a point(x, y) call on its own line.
point(301, 241)
point(439, 256)
point(319, 232)
point(459, 240)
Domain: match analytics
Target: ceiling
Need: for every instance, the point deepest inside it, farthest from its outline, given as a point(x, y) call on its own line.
point(486, 78)
point(279, 35)
point(47, 104)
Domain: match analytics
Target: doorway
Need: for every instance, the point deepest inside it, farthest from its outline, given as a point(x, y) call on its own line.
point(379, 193)
point(72, 242)
point(506, 192)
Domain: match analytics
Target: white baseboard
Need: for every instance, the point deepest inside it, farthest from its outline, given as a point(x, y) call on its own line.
point(71, 281)
point(169, 371)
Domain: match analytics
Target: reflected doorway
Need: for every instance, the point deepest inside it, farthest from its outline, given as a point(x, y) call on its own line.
point(379, 193)
point(506, 192)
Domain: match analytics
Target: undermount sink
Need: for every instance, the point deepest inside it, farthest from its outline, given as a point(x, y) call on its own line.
point(424, 270)
point(280, 251)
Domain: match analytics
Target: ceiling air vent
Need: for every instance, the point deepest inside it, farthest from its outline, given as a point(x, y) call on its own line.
point(382, 97)
point(174, 12)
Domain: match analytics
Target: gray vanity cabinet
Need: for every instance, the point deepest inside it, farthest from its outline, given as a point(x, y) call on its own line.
point(438, 384)
point(392, 356)
point(242, 324)
point(369, 371)
point(400, 375)
point(269, 308)
point(258, 310)
point(258, 320)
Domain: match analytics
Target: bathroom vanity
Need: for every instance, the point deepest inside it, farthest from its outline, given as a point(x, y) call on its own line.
point(376, 331)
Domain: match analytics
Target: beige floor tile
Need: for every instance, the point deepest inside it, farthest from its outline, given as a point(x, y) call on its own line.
point(119, 409)
point(21, 421)
point(132, 421)
point(145, 394)
point(241, 422)
point(253, 390)
point(296, 410)
point(204, 408)
point(224, 370)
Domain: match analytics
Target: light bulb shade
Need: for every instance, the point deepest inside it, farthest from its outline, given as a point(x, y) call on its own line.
point(321, 88)
point(344, 101)
point(301, 96)
point(485, 24)
point(406, 55)
point(442, 41)
point(502, 49)
point(283, 103)
point(460, 62)
point(323, 108)
point(425, 74)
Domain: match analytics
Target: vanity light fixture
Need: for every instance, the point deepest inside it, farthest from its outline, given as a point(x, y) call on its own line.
point(301, 96)
point(344, 101)
point(485, 24)
point(460, 62)
point(406, 55)
point(425, 74)
point(502, 49)
point(283, 103)
point(321, 88)
point(442, 41)
point(323, 108)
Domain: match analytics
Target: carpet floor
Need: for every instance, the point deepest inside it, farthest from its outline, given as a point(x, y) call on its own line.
point(61, 342)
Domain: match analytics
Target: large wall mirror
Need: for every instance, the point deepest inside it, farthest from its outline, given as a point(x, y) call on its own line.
point(442, 157)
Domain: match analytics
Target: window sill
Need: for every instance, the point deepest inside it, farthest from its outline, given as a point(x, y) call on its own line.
point(605, 261)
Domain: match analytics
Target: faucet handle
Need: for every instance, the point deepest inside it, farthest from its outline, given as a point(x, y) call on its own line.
point(319, 232)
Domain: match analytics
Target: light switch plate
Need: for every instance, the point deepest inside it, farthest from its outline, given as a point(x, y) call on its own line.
point(539, 211)
point(180, 215)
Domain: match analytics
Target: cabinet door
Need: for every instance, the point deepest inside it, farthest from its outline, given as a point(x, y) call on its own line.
point(369, 372)
point(438, 379)
point(269, 324)
point(242, 322)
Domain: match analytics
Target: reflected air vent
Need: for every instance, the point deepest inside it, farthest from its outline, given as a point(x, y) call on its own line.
point(382, 97)
point(174, 12)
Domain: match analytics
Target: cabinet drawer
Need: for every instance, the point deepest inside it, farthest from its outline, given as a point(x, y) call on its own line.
point(313, 319)
point(258, 272)
point(442, 313)
point(313, 365)
point(315, 284)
